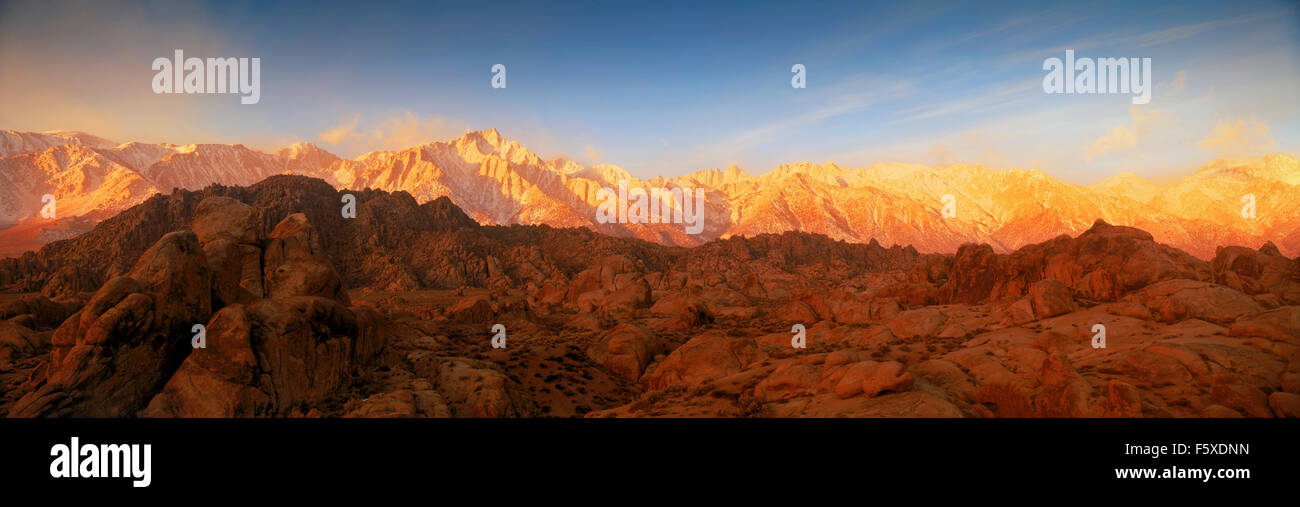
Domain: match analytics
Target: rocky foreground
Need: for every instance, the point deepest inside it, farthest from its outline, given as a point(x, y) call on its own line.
point(391, 314)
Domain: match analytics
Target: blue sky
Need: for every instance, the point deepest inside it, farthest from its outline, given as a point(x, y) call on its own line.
point(664, 88)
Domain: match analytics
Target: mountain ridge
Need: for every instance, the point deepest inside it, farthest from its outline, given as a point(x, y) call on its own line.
point(498, 181)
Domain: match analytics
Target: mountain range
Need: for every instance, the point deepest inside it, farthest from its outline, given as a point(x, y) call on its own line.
point(497, 181)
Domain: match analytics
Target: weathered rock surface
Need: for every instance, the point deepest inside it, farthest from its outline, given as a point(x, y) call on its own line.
point(626, 350)
point(110, 358)
point(604, 326)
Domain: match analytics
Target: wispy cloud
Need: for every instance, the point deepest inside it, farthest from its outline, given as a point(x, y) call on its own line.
point(848, 96)
point(401, 130)
point(1181, 32)
point(991, 100)
point(345, 131)
point(1237, 138)
point(1145, 39)
point(1143, 121)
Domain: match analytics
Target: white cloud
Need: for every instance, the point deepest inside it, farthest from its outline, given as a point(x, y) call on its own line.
point(1144, 121)
point(1236, 138)
point(400, 130)
point(345, 131)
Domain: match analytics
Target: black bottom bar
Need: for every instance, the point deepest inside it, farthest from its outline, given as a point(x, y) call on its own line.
point(552, 457)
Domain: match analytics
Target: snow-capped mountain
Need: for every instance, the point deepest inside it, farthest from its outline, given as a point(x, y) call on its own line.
point(195, 166)
point(84, 180)
point(14, 142)
point(498, 181)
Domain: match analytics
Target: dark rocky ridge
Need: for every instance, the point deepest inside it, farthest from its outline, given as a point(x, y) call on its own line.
point(395, 243)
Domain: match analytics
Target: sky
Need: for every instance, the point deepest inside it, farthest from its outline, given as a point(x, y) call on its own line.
point(667, 88)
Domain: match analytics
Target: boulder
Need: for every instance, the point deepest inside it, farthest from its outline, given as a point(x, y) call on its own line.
point(708, 356)
point(1263, 271)
point(226, 259)
point(1236, 393)
point(1285, 404)
point(118, 351)
point(1019, 312)
point(296, 263)
point(1281, 324)
point(272, 357)
point(869, 378)
point(1104, 263)
point(918, 323)
point(1050, 298)
point(790, 379)
point(220, 380)
point(1176, 300)
point(626, 350)
point(418, 399)
point(629, 297)
point(220, 217)
point(797, 312)
point(19, 341)
point(974, 273)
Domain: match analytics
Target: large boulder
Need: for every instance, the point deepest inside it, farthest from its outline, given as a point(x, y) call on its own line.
point(1176, 300)
point(629, 297)
point(271, 357)
point(1285, 404)
point(219, 217)
point(975, 271)
point(918, 323)
point(867, 378)
point(1051, 298)
point(308, 346)
point(626, 350)
point(790, 379)
point(110, 358)
point(708, 356)
point(1282, 324)
point(1104, 263)
point(1263, 271)
point(227, 261)
point(220, 380)
point(296, 263)
point(18, 341)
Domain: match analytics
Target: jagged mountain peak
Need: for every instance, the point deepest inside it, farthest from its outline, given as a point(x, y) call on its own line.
point(498, 181)
point(298, 148)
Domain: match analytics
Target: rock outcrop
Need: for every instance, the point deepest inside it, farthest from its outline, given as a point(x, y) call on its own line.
point(196, 329)
point(111, 357)
point(605, 326)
